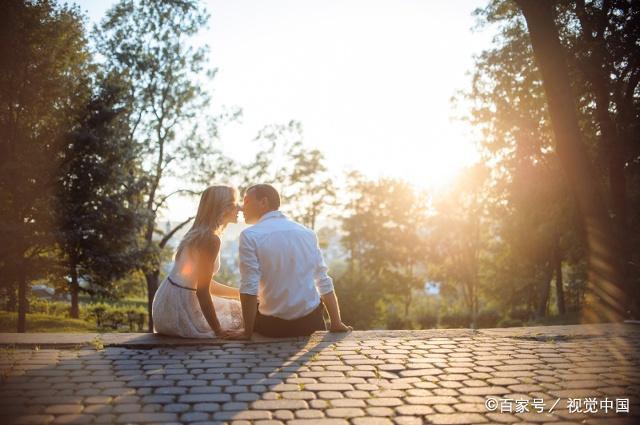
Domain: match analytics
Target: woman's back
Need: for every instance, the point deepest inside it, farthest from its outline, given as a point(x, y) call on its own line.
point(176, 309)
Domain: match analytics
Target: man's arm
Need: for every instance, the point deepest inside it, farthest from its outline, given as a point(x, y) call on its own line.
point(324, 284)
point(331, 303)
point(250, 275)
point(249, 312)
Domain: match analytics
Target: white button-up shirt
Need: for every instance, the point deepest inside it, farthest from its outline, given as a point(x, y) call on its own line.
point(281, 263)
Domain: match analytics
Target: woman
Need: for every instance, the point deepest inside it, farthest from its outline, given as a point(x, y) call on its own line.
point(189, 303)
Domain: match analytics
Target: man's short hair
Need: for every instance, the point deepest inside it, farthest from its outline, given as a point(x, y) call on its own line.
point(264, 190)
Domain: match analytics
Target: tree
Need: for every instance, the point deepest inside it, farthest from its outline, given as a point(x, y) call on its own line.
point(606, 271)
point(458, 236)
point(150, 45)
point(384, 235)
point(43, 84)
point(510, 105)
point(99, 196)
point(306, 188)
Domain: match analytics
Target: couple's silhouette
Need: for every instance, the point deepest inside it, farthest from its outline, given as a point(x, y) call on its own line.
point(284, 286)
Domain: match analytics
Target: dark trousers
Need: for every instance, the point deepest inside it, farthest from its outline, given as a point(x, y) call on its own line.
point(277, 328)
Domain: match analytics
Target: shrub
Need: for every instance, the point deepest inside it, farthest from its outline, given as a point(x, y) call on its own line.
point(455, 319)
point(521, 314)
point(39, 322)
point(509, 323)
point(397, 322)
point(52, 308)
point(115, 317)
point(488, 319)
point(428, 320)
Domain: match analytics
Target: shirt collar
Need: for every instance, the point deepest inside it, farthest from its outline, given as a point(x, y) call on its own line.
point(270, 215)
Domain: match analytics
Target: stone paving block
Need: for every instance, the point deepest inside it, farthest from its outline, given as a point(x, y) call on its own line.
point(249, 415)
point(456, 418)
point(146, 417)
point(74, 419)
point(371, 421)
point(33, 419)
point(279, 404)
point(431, 400)
point(384, 402)
point(283, 415)
point(204, 398)
point(344, 412)
point(206, 407)
point(408, 420)
point(63, 409)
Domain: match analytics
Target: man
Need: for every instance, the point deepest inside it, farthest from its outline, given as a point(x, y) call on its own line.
point(283, 276)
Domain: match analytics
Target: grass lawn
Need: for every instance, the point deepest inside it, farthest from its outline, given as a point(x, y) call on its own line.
point(37, 322)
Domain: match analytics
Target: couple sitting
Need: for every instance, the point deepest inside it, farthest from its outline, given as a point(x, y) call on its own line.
point(283, 277)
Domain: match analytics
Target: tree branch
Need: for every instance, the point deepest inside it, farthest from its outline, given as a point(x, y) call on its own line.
point(175, 192)
point(173, 231)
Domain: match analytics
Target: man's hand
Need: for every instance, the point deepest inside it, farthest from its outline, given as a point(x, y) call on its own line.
point(340, 327)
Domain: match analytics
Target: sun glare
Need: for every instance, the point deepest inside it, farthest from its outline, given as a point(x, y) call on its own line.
point(431, 164)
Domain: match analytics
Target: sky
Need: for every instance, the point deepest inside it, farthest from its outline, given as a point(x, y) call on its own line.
point(370, 81)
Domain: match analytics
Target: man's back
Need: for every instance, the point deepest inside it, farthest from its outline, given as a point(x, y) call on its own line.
point(281, 263)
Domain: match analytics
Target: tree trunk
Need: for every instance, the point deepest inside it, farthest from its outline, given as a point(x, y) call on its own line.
point(474, 305)
point(12, 300)
point(559, 286)
point(22, 301)
point(75, 311)
point(606, 283)
point(543, 302)
point(407, 304)
point(152, 287)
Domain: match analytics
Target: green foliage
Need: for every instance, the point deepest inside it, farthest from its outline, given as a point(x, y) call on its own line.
point(116, 317)
point(510, 108)
point(99, 195)
point(130, 286)
point(395, 321)
point(459, 236)
point(521, 314)
point(150, 45)
point(130, 316)
point(50, 308)
point(44, 73)
point(509, 323)
point(427, 320)
point(456, 319)
point(305, 186)
point(38, 322)
point(488, 319)
point(384, 237)
point(361, 301)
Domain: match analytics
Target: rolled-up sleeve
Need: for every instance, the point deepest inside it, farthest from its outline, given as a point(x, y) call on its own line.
point(249, 266)
point(324, 283)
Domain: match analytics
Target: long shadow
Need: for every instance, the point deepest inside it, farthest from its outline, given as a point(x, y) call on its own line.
point(215, 382)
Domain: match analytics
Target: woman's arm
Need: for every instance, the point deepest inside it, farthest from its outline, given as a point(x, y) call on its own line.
point(220, 290)
point(206, 257)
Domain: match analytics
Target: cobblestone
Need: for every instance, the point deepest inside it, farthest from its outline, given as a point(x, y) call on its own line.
point(364, 378)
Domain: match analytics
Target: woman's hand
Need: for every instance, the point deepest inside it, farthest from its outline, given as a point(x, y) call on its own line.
point(340, 327)
point(237, 335)
point(223, 333)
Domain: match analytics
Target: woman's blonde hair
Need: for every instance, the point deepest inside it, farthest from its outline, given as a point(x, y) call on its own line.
point(215, 202)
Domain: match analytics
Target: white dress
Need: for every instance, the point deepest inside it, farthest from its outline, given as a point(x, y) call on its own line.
point(176, 309)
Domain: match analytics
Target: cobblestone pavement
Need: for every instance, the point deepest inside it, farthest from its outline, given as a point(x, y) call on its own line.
point(365, 378)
